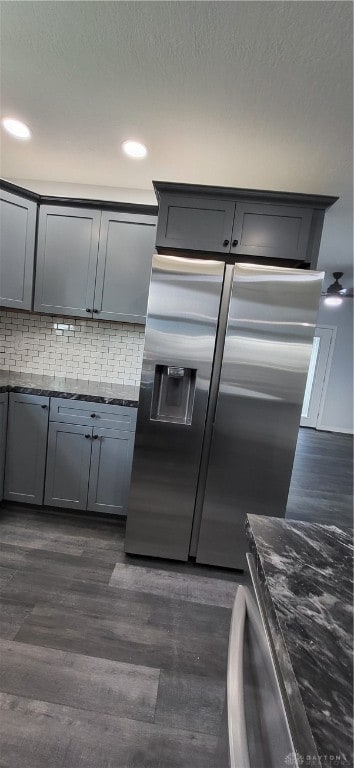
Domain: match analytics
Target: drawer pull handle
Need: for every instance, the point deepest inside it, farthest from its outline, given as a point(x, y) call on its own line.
point(93, 415)
point(95, 437)
point(44, 406)
point(87, 437)
point(234, 243)
point(225, 243)
point(88, 310)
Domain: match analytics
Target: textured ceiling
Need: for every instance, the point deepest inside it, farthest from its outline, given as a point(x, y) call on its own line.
point(252, 94)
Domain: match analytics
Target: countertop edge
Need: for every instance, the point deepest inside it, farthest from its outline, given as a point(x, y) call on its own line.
point(45, 392)
point(301, 732)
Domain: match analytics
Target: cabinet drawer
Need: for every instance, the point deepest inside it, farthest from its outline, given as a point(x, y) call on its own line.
point(92, 414)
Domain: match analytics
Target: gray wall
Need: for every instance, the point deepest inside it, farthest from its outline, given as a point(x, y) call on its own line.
point(337, 414)
point(336, 253)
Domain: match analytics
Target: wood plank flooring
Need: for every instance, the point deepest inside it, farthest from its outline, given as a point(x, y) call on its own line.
point(111, 661)
point(321, 489)
point(96, 668)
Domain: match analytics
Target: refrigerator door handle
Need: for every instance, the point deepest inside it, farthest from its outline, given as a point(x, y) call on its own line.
point(238, 746)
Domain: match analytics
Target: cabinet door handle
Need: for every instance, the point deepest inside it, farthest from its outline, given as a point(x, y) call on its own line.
point(234, 243)
point(93, 415)
point(44, 406)
point(96, 311)
point(88, 310)
point(87, 437)
point(95, 437)
point(225, 243)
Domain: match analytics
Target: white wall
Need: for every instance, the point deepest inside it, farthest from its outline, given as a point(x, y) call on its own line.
point(337, 415)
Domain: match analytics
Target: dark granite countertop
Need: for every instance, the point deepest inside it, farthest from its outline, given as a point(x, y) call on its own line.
point(305, 573)
point(73, 389)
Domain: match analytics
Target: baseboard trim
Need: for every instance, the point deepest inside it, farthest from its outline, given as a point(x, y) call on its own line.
point(343, 430)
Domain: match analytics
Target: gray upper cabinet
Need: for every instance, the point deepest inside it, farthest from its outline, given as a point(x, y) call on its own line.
point(127, 243)
point(271, 231)
point(240, 228)
point(93, 264)
point(195, 223)
point(235, 223)
point(17, 244)
point(111, 461)
point(26, 448)
point(66, 260)
point(3, 428)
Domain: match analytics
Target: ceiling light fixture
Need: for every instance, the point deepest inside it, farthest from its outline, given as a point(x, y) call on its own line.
point(16, 128)
point(134, 149)
point(334, 291)
point(333, 301)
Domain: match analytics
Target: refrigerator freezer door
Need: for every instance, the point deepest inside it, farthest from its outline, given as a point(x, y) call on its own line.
point(267, 351)
point(181, 327)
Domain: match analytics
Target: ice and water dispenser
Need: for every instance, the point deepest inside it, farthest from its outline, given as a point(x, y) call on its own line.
point(173, 394)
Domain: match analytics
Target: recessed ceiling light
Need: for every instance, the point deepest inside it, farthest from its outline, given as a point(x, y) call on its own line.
point(134, 148)
point(16, 128)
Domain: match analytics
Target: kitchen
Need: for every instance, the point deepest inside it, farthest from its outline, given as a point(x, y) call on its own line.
point(110, 641)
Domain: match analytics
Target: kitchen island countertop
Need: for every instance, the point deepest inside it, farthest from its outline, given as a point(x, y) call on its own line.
point(305, 578)
point(73, 389)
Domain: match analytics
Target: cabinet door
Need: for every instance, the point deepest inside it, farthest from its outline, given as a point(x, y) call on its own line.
point(17, 237)
point(26, 448)
point(3, 428)
point(193, 223)
point(68, 466)
point(111, 461)
point(127, 243)
point(271, 231)
point(66, 260)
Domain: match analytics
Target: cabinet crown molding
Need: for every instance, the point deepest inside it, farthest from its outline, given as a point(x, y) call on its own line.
point(238, 193)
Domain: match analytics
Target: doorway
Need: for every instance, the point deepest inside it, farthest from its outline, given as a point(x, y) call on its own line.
point(319, 368)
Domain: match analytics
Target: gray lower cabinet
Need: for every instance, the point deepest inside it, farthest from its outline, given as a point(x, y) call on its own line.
point(68, 465)
point(26, 448)
point(17, 243)
point(3, 427)
point(89, 467)
point(111, 460)
point(127, 243)
point(66, 260)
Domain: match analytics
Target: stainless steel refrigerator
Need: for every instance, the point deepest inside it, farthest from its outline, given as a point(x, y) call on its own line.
point(226, 355)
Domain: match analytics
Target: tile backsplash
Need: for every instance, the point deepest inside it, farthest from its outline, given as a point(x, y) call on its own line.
point(73, 348)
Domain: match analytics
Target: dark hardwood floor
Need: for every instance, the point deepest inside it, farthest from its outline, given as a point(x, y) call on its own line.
point(110, 661)
point(321, 489)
